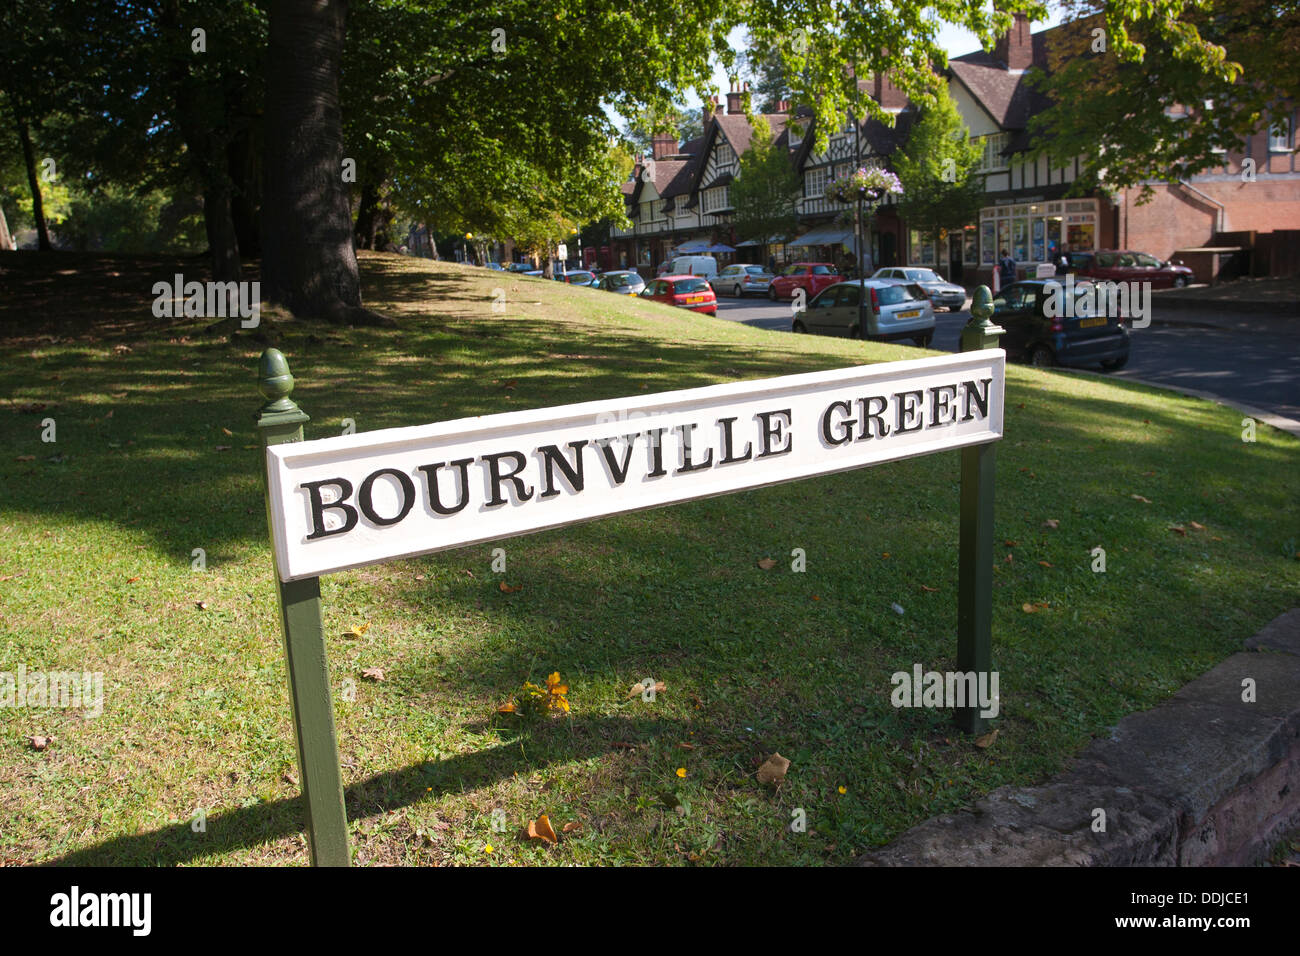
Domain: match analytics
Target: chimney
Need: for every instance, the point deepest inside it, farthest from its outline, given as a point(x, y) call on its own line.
point(783, 106)
point(710, 109)
point(884, 92)
point(664, 144)
point(735, 99)
point(1015, 48)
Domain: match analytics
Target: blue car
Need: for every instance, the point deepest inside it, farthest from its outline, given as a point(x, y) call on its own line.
point(1042, 328)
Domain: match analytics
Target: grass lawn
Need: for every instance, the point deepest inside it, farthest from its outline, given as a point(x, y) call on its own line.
point(156, 456)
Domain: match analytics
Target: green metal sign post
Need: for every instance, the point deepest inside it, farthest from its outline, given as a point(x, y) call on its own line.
point(975, 548)
point(280, 421)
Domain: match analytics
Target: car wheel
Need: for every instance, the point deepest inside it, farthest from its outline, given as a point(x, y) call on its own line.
point(799, 328)
point(771, 293)
point(855, 332)
point(1042, 357)
point(1180, 281)
point(924, 340)
point(1114, 365)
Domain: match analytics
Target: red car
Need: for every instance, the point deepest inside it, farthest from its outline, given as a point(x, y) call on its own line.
point(1118, 266)
point(687, 292)
point(812, 277)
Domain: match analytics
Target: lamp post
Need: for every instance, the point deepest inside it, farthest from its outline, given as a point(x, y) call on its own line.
point(469, 236)
point(857, 216)
point(574, 232)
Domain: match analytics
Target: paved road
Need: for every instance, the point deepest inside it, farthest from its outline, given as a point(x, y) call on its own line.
point(1256, 362)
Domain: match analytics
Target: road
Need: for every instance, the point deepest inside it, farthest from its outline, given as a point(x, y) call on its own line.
point(1255, 362)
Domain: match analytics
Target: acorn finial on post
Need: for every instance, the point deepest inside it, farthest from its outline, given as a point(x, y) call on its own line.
point(979, 332)
point(280, 419)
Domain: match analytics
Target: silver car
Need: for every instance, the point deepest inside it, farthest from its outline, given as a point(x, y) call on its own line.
point(740, 279)
point(622, 281)
point(942, 292)
point(870, 308)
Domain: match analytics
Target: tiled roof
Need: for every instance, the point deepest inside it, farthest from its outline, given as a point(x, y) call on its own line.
point(1006, 96)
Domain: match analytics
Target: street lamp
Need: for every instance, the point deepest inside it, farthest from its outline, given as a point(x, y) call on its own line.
point(468, 238)
point(574, 232)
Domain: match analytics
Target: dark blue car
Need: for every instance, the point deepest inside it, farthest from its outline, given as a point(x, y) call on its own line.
point(1044, 329)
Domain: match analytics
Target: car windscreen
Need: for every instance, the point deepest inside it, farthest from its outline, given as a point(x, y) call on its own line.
point(689, 285)
point(755, 270)
point(620, 280)
point(923, 275)
point(898, 294)
point(823, 271)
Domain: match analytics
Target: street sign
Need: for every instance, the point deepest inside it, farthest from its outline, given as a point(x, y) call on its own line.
point(359, 499)
point(562, 251)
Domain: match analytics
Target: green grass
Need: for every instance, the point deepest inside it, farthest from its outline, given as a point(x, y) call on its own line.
point(96, 575)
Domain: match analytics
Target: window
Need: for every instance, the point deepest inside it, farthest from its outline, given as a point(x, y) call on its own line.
point(850, 295)
point(1279, 136)
point(717, 198)
point(814, 183)
point(796, 134)
point(723, 154)
point(993, 145)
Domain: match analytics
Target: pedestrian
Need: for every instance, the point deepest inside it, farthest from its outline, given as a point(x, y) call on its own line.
point(1006, 269)
point(771, 264)
point(1063, 260)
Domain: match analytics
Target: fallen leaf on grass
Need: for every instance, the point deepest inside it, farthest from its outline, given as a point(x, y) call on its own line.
point(25, 458)
point(133, 580)
point(1145, 501)
point(617, 745)
point(201, 605)
point(1179, 530)
point(931, 590)
point(357, 630)
point(573, 826)
point(1009, 559)
point(1046, 564)
point(541, 829)
point(506, 709)
point(773, 770)
point(373, 673)
point(1011, 544)
point(40, 743)
point(223, 448)
point(985, 742)
point(685, 746)
point(507, 589)
point(1052, 523)
point(1195, 526)
point(641, 687)
point(767, 564)
point(227, 431)
point(1035, 607)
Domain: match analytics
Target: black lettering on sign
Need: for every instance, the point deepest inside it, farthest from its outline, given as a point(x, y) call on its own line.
point(522, 491)
point(552, 458)
point(770, 426)
point(617, 470)
point(656, 438)
point(365, 497)
point(687, 464)
point(462, 481)
point(728, 443)
point(981, 398)
point(877, 427)
point(909, 409)
point(942, 404)
point(844, 431)
point(318, 507)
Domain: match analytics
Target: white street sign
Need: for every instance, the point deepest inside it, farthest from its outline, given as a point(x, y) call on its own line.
point(354, 500)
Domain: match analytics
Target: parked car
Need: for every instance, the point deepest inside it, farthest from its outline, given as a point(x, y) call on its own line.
point(812, 277)
point(741, 279)
point(870, 308)
point(1083, 338)
point(687, 292)
point(520, 267)
point(494, 266)
point(1118, 266)
point(579, 277)
point(942, 292)
point(706, 266)
point(622, 281)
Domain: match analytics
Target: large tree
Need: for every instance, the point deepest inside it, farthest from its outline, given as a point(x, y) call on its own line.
point(936, 168)
point(766, 191)
point(1156, 108)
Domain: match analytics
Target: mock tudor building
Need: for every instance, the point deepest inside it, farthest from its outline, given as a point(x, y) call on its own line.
point(1028, 213)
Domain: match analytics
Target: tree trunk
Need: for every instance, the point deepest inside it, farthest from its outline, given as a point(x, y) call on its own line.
point(309, 264)
point(7, 243)
point(245, 178)
point(367, 216)
point(220, 225)
point(38, 206)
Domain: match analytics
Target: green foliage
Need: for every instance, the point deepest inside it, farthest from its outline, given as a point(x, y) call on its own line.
point(936, 169)
point(766, 191)
point(1127, 119)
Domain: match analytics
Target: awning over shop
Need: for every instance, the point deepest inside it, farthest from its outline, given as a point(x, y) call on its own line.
point(719, 247)
point(774, 240)
point(695, 245)
point(825, 236)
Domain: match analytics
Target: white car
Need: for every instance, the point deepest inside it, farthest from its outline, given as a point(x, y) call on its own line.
point(740, 279)
point(942, 292)
point(704, 266)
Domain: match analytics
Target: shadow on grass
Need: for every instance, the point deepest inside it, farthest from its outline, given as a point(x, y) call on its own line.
point(251, 826)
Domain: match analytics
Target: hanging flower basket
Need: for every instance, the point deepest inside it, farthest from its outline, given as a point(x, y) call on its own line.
point(870, 184)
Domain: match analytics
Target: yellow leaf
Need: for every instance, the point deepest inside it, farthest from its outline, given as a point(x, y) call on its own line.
point(357, 630)
point(774, 769)
point(541, 829)
point(507, 589)
point(506, 709)
point(681, 772)
point(987, 740)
